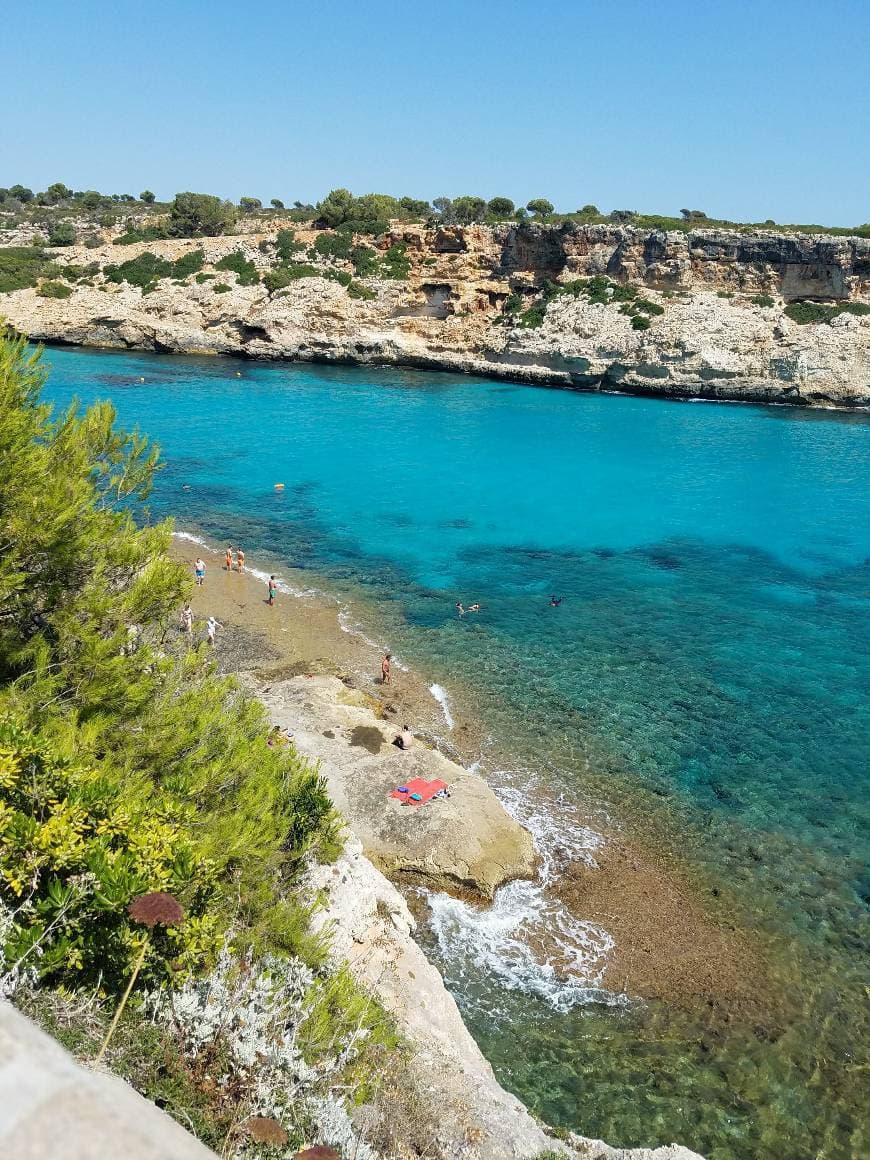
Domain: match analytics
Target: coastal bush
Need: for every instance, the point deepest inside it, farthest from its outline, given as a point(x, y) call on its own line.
point(240, 265)
point(639, 322)
point(500, 207)
point(287, 245)
point(23, 266)
point(333, 245)
point(200, 278)
point(396, 263)
point(54, 290)
point(221, 288)
point(132, 234)
point(357, 290)
point(805, 313)
point(147, 269)
point(250, 204)
point(762, 300)
point(540, 207)
point(62, 233)
point(365, 261)
point(147, 197)
point(193, 215)
point(87, 667)
point(281, 276)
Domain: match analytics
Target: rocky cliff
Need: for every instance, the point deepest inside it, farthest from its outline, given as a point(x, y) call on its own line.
point(706, 313)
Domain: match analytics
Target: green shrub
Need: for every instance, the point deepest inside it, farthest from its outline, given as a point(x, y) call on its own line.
point(638, 322)
point(141, 234)
point(239, 264)
point(805, 313)
point(283, 275)
point(287, 246)
point(357, 290)
point(396, 263)
point(365, 261)
point(193, 215)
point(62, 234)
point(762, 300)
point(22, 266)
point(200, 278)
point(221, 288)
point(646, 307)
point(78, 845)
point(338, 245)
point(533, 317)
point(54, 290)
point(147, 269)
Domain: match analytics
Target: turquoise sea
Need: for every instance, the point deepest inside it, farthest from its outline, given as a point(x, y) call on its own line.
point(709, 664)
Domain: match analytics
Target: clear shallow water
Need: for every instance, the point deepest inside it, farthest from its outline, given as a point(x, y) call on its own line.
point(711, 656)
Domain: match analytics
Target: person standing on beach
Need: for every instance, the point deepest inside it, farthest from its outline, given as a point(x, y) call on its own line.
point(199, 571)
point(385, 669)
point(273, 590)
point(240, 559)
point(211, 627)
point(229, 558)
point(187, 619)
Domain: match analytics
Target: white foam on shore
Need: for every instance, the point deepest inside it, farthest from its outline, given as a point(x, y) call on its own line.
point(527, 940)
point(440, 695)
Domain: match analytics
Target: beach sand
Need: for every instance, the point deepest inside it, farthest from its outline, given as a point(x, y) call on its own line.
point(671, 943)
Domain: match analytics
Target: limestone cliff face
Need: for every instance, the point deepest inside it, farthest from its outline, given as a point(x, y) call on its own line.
point(712, 338)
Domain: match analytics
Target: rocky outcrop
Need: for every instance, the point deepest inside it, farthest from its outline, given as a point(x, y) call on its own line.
point(716, 336)
point(470, 1115)
point(466, 841)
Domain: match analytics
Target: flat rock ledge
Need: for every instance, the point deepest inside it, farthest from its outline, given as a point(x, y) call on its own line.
point(464, 842)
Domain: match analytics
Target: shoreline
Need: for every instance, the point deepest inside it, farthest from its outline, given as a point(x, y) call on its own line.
point(662, 941)
point(530, 376)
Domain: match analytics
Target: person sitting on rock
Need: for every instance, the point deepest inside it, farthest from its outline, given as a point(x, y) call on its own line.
point(405, 739)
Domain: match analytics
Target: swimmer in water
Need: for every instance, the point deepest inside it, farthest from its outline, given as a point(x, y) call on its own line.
point(555, 601)
point(459, 608)
point(473, 607)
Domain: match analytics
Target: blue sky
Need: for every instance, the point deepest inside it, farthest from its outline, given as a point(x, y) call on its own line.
point(744, 110)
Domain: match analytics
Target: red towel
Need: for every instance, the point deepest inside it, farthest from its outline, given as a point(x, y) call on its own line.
point(426, 790)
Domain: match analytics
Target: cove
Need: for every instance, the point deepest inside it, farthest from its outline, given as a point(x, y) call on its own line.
point(712, 650)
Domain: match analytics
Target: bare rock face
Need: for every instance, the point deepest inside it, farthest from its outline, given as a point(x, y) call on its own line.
point(715, 338)
point(466, 841)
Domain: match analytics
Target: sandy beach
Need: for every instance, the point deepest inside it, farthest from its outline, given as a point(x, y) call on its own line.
point(668, 944)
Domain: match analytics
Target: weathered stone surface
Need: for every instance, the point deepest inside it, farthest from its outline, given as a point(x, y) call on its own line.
point(466, 840)
point(712, 340)
point(52, 1109)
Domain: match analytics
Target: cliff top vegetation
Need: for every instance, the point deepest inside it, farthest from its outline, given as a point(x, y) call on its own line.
point(196, 214)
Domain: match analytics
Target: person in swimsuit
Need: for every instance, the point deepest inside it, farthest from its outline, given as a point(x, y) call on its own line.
point(240, 559)
point(474, 607)
point(187, 619)
point(229, 559)
point(405, 739)
point(199, 571)
point(211, 627)
point(273, 590)
point(385, 669)
point(459, 608)
point(555, 601)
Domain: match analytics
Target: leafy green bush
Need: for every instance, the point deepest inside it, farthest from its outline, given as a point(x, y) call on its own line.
point(200, 278)
point(365, 261)
point(357, 290)
point(77, 845)
point(138, 764)
point(287, 245)
point(194, 215)
point(54, 290)
point(396, 263)
point(239, 264)
point(805, 313)
point(22, 266)
point(334, 245)
point(762, 300)
point(281, 276)
point(147, 269)
point(141, 234)
point(221, 288)
point(639, 322)
point(62, 234)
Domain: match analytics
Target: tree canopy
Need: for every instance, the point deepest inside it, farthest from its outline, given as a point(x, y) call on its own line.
point(194, 215)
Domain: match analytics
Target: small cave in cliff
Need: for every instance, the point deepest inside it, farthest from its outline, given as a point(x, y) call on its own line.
point(436, 304)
